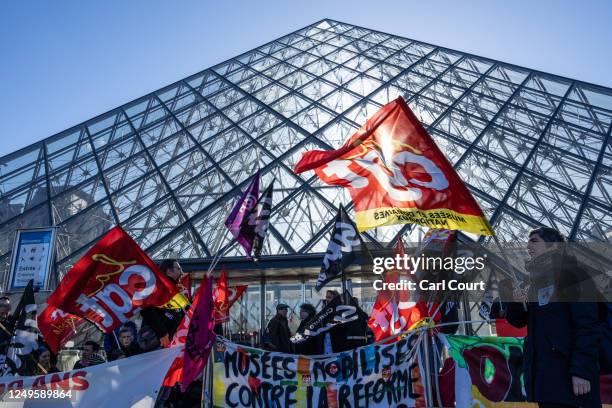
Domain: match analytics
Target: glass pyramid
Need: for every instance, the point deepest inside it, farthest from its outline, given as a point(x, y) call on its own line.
point(534, 148)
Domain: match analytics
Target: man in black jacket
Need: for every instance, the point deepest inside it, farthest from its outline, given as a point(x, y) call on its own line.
point(351, 335)
point(278, 328)
point(164, 321)
point(312, 345)
point(563, 334)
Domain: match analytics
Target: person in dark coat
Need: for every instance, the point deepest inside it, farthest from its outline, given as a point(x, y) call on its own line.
point(89, 355)
point(44, 364)
point(6, 327)
point(128, 345)
point(278, 328)
point(351, 335)
point(164, 321)
point(147, 340)
point(561, 348)
point(313, 345)
point(111, 340)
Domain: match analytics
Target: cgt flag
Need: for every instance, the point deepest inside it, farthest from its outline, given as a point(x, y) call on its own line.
point(343, 243)
point(396, 174)
point(112, 282)
point(57, 327)
point(393, 310)
point(220, 298)
point(224, 297)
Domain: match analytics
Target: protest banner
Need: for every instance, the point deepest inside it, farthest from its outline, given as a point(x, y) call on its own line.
point(374, 376)
point(489, 373)
point(128, 382)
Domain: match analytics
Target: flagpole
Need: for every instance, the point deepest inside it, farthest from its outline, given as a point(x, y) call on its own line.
point(425, 345)
point(514, 277)
point(344, 292)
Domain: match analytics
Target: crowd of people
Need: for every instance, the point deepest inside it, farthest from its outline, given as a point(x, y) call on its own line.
point(566, 347)
point(157, 328)
point(348, 336)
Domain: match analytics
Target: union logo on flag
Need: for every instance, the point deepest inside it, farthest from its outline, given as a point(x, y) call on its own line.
point(396, 174)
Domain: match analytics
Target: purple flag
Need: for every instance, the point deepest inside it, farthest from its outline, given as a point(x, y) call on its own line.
point(200, 336)
point(241, 221)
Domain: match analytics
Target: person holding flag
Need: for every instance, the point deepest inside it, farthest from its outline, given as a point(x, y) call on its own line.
point(114, 281)
point(165, 321)
point(20, 357)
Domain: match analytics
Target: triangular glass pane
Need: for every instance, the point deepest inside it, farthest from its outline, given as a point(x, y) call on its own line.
point(179, 245)
point(300, 218)
point(151, 226)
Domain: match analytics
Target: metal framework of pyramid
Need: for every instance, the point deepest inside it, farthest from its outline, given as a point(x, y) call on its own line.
point(534, 148)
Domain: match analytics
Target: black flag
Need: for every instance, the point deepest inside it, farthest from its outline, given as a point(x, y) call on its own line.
point(263, 210)
point(343, 244)
point(19, 359)
point(333, 314)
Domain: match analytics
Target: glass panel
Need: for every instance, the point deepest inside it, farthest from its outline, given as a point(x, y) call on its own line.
point(486, 174)
point(245, 314)
point(288, 293)
point(37, 217)
point(595, 224)
point(74, 175)
point(151, 226)
point(202, 191)
point(83, 228)
point(140, 195)
point(77, 199)
point(182, 245)
point(16, 203)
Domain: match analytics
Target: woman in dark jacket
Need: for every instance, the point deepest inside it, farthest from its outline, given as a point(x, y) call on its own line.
point(560, 350)
point(313, 345)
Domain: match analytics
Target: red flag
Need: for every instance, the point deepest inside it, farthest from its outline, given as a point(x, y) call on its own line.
point(112, 282)
point(175, 372)
point(220, 298)
point(393, 312)
point(224, 297)
point(57, 327)
point(200, 336)
point(396, 174)
point(184, 285)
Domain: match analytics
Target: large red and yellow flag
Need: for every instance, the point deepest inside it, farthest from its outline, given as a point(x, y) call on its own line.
point(396, 174)
point(113, 281)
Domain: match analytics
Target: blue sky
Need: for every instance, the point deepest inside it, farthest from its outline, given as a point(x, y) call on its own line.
point(63, 62)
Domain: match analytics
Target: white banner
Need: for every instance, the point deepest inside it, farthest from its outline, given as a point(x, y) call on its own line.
point(129, 382)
